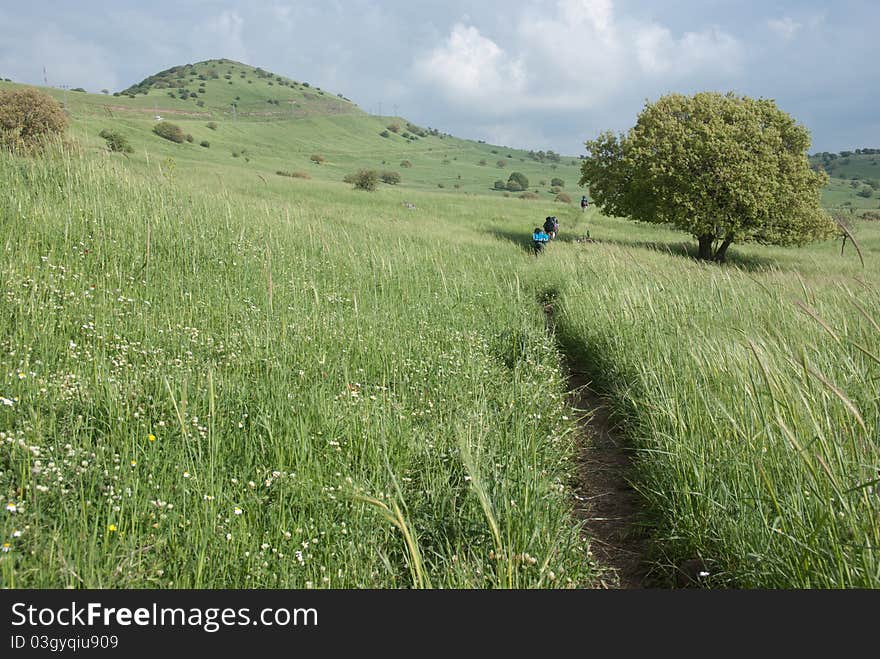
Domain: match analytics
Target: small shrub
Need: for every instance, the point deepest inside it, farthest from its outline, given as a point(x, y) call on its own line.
point(170, 131)
point(501, 164)
point(205, 143)
point(189, 138)
point(366, 179)
point(871, 216)
point(555, 189)
point(282, 172)
point(29, 117)
point(116, 141)
point(563, 198)
point(405, 164)
point(440, 185)
point(385, 133)
point(391, 178)
point(212, 125)
point(866, 191)
point(528, 195)
point(557, 182)
point(513, 186)
point(394, 128)
point(499, 185)
point(482, 163)
point(520, 178)
point(317, 158)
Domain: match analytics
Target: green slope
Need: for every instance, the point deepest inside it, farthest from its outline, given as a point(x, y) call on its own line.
point(278, 124)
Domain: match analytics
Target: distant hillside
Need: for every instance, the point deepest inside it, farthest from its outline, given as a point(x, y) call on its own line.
point(221, 85)
point(860, 164)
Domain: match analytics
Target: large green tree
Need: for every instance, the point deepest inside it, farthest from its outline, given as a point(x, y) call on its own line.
point(722, 167)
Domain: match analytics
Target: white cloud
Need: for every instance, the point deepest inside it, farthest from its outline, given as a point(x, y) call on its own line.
point(785, 28)
point(577, 57)
point(470, 67)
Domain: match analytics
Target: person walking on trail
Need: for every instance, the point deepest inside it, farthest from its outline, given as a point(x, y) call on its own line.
point(584, 203)
point(551, 227)
point(539, 239)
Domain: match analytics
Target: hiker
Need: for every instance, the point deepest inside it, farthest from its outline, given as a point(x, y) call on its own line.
point(584, 203)
point(551, 226)
point(539, 239)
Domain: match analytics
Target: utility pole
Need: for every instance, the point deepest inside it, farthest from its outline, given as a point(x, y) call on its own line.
point(45, 77)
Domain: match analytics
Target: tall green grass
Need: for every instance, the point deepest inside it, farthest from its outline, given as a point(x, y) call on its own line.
point(750, 394)
point(257, 388)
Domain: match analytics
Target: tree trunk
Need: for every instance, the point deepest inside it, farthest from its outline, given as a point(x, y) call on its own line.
point(721, 252)
point(705, 253)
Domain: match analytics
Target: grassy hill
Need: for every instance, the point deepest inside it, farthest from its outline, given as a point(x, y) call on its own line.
point(213, 87)
point(854, 178)
point(279, 124)
point(214, 376)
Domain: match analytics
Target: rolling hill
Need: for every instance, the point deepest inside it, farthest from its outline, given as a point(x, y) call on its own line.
point(246, 121)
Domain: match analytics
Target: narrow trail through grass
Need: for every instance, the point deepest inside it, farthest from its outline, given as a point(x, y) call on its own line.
point(607, 504)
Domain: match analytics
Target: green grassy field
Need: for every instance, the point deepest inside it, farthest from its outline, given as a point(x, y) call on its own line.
point(214, 376)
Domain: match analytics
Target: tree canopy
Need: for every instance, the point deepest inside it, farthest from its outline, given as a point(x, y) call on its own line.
point(722, 167)
point(28, 118)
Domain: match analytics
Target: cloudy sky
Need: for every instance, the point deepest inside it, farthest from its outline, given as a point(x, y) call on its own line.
point(542, 74)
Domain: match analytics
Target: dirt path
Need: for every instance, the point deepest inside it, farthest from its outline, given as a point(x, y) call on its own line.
point(607, 505)
point(606, 502)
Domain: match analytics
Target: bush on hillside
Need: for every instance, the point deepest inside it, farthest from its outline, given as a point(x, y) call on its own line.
point(170, 131)
point(557, 182)
point(405, 163)
point(385, 133)
point(391, 178)
point(28, 118)
point(205, 143)
point(282, 172)
point(394, 128)
point(520, 178)
point(528, 195)
point(563, 198)
point(501, 164)
point(189, 138)
point(212, 125)
point(116, 141)
point(317, 158)
point(366, 179)
point(866, 191)
point(513, 186)
point(871, 216)
point(499, 185)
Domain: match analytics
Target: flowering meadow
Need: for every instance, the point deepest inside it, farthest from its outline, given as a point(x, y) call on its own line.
point(236, 387)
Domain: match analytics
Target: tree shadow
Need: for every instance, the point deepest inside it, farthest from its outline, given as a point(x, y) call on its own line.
point(684, 249)
point(689, 250)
